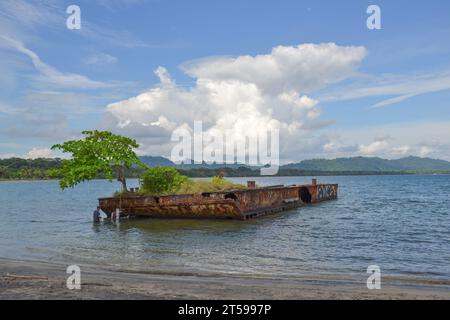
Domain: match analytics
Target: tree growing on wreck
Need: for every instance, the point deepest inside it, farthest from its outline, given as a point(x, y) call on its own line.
point(100, 152)
point(162, 180)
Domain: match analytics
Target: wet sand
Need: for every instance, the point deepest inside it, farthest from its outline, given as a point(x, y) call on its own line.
point(44, 280)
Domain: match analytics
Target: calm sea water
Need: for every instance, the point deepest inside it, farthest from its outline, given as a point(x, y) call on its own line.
point(401, 223)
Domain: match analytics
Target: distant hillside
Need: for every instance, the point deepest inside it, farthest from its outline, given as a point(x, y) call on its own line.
point(408, 164)
point(20, 169)
point(152, 161)
point(355, 164)
point(190, 166)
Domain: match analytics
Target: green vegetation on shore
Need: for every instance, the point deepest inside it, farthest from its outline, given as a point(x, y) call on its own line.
point(103, 155)
point(22, 169)
point(374, 164)
point(43, 169)
point(40, 169)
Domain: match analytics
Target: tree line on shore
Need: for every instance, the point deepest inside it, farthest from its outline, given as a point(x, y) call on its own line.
point(27, 169)
point(104, 155)
point(43, 169)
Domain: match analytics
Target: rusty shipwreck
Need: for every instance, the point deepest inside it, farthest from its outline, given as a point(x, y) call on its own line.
point(232, 204)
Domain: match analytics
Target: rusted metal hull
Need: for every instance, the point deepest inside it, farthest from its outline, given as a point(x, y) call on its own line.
point(235, 204)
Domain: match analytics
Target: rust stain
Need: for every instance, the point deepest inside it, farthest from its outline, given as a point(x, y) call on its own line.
point(234, 204)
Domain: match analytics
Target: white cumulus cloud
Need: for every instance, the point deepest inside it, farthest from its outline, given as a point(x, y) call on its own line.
point(302, 68)
point(245, 95)
point(36, 153)
point(374, 148)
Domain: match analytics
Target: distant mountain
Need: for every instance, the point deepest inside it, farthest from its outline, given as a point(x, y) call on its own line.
point(373, 164)
point(152, 161)
point(416, 163)
point(21, 169)
point(356, 164)
point(188, 166)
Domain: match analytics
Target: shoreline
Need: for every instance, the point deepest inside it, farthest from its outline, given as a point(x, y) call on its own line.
point(275, 176)
point(20, 279)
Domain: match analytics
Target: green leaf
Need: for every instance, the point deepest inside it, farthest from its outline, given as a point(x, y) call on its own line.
point(99, 152)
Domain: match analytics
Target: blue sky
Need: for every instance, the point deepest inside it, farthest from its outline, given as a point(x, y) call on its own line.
point(389, 99)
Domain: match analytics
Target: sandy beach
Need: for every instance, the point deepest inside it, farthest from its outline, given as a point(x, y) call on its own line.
point(43, 280)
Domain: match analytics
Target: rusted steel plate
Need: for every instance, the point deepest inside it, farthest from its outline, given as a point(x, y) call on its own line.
point(234, 204)
point(224, 209)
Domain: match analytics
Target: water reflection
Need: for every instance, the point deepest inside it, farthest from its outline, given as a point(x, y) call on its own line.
point(173, 226)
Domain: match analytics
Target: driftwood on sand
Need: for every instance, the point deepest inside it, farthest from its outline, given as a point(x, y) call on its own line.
point(15, 276)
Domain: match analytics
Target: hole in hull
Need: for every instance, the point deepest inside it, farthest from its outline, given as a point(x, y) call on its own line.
point(304, 195)
point(231, 196)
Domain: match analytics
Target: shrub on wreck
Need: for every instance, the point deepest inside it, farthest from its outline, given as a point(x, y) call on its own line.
point(213, 185)
point(162, 180)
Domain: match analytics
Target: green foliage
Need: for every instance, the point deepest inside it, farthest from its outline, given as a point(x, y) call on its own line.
point(200, 186)
point(373, 164)
point(162, 180)
point(27, 169)
point(100, 152)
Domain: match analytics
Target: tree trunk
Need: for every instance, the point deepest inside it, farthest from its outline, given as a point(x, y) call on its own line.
point(124, 184)
point(121, 178)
